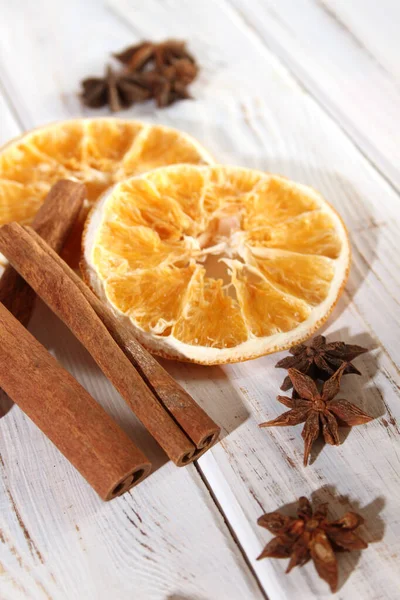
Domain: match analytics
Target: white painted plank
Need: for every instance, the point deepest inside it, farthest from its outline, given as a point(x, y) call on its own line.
point(252, 468)
point(335, 68)
point(374, 25)
point(284, 131)
point(9, 127)
point(249, 111)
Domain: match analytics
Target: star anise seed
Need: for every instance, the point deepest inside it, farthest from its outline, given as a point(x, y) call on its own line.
point(94, 92)
point(319, 359)
point(118, 91)
point(312, 536)
point(135, 57)
point(319, 412)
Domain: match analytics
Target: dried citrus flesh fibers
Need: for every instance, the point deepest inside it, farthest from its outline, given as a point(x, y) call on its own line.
point(216, 264)
point(97, 152)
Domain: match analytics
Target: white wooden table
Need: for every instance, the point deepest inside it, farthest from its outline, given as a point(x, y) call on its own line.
point(306, 88)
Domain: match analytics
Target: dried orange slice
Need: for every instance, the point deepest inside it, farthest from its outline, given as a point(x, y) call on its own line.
point(97, 152)
point(216, 264)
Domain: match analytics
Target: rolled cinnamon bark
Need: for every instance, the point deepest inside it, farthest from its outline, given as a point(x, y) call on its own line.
point(66, 413)
point(53, 222)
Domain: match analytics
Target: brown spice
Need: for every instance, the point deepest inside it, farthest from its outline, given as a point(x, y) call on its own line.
point(311, 535)
point(161, 71)
point(54, 222)
point(66, 413)
point(319, 411)
point(145, 55)
point(320, 360)
point(119, 91)
point(136, 57)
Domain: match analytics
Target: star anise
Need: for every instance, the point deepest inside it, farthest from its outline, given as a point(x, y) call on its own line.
point(163, 89)
point(319, 359)
point(320, 412)
point(118, 91)
point(311, 535)
point(167, 67)
point(161, 71)
point(136, 57)
point(148, 55)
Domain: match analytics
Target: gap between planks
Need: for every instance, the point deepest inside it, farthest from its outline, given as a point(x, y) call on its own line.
point(229, 527)
point(273, 48)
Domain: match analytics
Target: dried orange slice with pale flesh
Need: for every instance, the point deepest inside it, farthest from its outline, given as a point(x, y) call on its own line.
point(216, 264)
point(97, 152)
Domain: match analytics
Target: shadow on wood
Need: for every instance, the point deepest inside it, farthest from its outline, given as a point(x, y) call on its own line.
point(6, 404)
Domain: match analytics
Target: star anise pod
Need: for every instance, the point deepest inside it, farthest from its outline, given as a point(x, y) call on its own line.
point(311, 535)
point(147, 55)
point(172, 51)
point(320, 412)
point(166, 68)
point(136, 57)
point(161, 88)
point(118, 91)
point(319, 359)
point(161, 71)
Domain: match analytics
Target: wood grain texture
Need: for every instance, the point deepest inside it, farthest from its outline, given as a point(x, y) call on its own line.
point(248, 110)
point(337, 66)
point(374, 26)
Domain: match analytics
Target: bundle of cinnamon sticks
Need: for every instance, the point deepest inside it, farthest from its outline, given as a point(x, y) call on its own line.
point(50, 396)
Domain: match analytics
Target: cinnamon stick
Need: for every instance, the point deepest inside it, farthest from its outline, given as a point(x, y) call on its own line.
point(42, 271)
point(192, 419)
point(53, 222)
point(66, 413)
